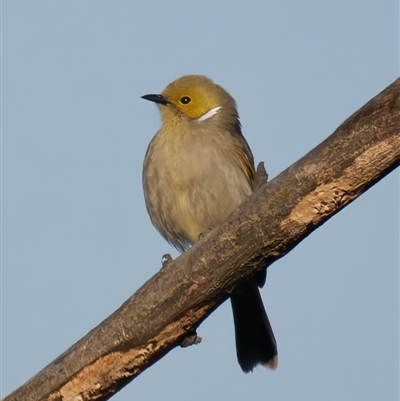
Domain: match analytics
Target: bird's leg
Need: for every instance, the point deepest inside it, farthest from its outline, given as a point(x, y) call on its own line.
point(202, 235)
point(261, 176)
point(191, 339)
point(166, 258)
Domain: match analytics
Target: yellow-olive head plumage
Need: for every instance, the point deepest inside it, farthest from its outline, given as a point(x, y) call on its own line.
point(192, 97)
point(195, 95)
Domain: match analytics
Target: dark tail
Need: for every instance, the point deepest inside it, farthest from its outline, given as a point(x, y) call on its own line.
point(255, 341)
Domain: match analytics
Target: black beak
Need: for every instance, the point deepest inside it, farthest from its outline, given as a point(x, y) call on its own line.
point(156, 99)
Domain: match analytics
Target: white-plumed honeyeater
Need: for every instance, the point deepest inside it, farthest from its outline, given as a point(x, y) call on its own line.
point(198, 169)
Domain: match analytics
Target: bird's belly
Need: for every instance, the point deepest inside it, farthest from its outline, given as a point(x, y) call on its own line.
point(200, 204)
point(193, 193)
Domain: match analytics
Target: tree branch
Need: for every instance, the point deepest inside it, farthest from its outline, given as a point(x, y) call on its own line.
point(280, 214)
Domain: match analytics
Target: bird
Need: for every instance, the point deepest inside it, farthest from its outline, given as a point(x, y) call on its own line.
point(197, 170)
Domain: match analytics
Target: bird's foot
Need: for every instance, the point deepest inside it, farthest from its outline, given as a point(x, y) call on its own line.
point(202, 235)
point(191, 339)
point(261, 176)
point(166, 260)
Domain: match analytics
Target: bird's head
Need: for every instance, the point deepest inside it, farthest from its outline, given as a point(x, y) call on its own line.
point(194, 98)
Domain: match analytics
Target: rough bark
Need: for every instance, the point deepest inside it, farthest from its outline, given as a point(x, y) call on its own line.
point(280, 214)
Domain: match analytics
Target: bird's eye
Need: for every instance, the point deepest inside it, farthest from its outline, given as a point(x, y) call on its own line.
point(185, 99)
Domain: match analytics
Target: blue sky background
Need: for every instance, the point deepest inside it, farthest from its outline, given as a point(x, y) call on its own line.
point(76, 238)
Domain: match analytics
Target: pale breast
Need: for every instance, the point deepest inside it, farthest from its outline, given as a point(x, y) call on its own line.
point(191, 184)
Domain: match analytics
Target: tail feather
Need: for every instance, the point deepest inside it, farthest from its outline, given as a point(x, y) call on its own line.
point(255, 340)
